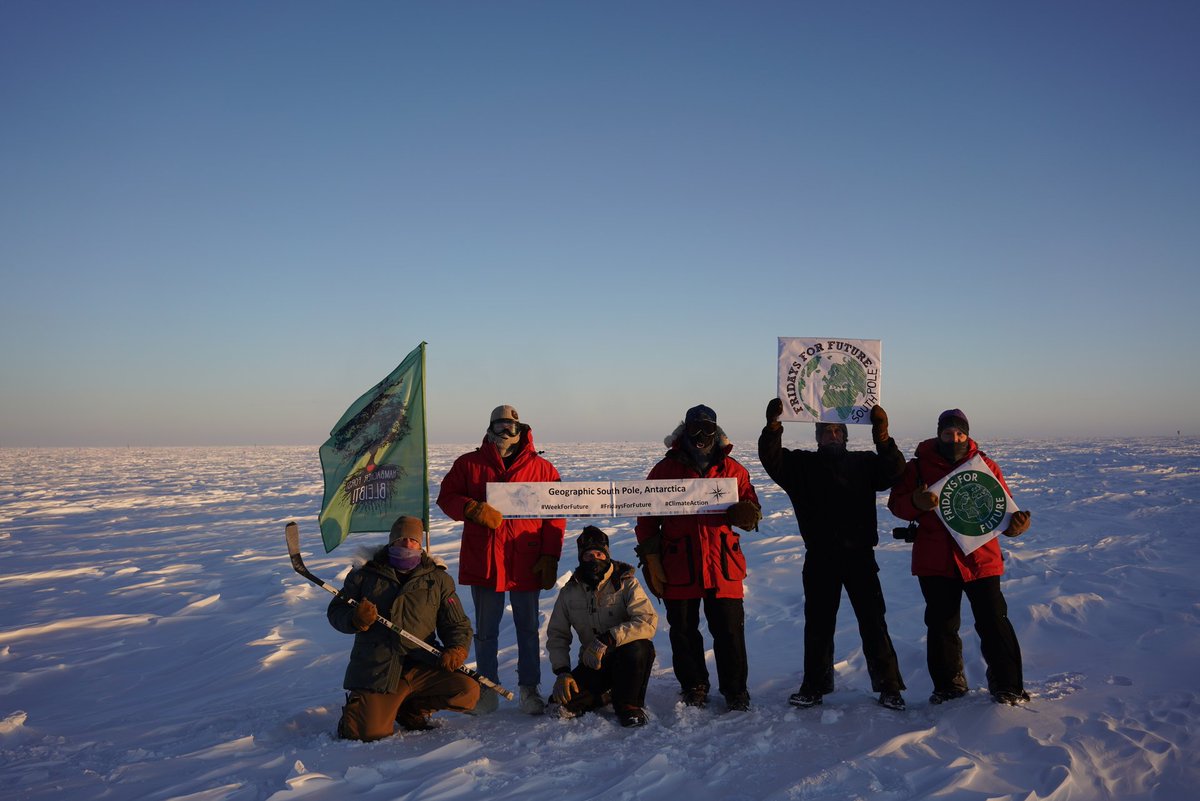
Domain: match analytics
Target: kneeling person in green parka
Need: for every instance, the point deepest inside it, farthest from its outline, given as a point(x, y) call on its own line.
point(390, 680)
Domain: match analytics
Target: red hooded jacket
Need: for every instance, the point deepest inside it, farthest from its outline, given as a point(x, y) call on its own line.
point(500, 559)
point(935, 553)
point(699, 552)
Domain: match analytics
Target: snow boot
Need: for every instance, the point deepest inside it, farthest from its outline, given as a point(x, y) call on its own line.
point(804, 698)
point(942, 696)
point(488, 703)
point(738, 702)
point(416, 720)
point(695, 696)
point(532, 702)
point(1010, 697)
point(631, 716)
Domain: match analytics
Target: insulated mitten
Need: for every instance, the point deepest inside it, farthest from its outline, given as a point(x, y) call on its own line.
point(454, 658)
point(1018, 525)
point(364, 615)
point(743, 514)
point(656, 577)
point(923, 499)
point(545, 569)
point(879, 425)
point(774, 410)
point(484, 515)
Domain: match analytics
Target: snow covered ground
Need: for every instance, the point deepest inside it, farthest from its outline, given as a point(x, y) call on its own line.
point(155, 644)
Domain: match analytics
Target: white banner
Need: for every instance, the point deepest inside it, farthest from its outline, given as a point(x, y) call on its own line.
point(972, 504)
point(829, 380)
point(688, 496)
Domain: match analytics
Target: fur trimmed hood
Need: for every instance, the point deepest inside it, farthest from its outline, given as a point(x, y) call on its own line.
point(682, 451)
point(673, 438)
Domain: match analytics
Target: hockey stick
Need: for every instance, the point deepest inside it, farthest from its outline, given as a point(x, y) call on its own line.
point(292, 534)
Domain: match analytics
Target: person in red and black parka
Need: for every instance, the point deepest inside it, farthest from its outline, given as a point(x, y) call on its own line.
point(694, 561)
point(946, 573)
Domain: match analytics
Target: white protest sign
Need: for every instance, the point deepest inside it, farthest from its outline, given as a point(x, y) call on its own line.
point(972, 504)
point(829, 380)
point(687, 496)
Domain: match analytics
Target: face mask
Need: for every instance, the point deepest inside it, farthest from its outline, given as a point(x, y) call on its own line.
point(702, 434)
point(504, 435)
point(591, 572)
point(952, 451)
point(403, 558)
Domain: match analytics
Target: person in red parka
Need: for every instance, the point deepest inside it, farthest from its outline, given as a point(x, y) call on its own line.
point(695, 560)
point(946, 573)
point(498, 556)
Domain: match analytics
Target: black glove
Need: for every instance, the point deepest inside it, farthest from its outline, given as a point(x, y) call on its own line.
point(774, 410)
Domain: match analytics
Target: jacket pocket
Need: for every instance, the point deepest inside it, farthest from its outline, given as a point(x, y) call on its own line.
point(733, 561)
point(526, 550)
point(679, 561)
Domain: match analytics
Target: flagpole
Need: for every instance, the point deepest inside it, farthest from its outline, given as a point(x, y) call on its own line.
point(425, 444)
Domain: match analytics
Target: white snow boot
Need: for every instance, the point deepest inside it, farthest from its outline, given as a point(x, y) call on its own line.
point(532, 702)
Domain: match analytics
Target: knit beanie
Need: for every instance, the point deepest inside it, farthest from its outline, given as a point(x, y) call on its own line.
point(592, 539)
point(406, 527)
point(953, 418)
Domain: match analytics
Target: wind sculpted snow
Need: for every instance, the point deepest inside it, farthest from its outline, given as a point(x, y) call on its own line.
point(156, 644)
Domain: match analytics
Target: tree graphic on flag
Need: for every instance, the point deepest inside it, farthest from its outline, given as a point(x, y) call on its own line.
point(375, 461)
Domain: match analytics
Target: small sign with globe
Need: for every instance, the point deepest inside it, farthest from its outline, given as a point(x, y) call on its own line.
point(829, 380)
point(972, 504)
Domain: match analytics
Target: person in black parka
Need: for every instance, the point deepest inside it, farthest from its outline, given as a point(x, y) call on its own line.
point(833, 492)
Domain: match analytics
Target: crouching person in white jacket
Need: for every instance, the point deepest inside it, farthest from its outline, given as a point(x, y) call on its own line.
point(604, 604)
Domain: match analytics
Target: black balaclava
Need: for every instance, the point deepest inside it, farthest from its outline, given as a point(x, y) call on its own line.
point(592, 539)
point(700, 434)
point(953, 451)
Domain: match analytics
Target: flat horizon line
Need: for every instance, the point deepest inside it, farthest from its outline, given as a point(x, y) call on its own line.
point(656, 442)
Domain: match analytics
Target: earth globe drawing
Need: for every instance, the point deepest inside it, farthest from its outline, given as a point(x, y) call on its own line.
point(836, 382)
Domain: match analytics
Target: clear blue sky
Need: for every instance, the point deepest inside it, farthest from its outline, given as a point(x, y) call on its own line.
point(221, 222)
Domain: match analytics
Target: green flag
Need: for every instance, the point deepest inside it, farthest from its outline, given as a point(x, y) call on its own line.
point(375, 462)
